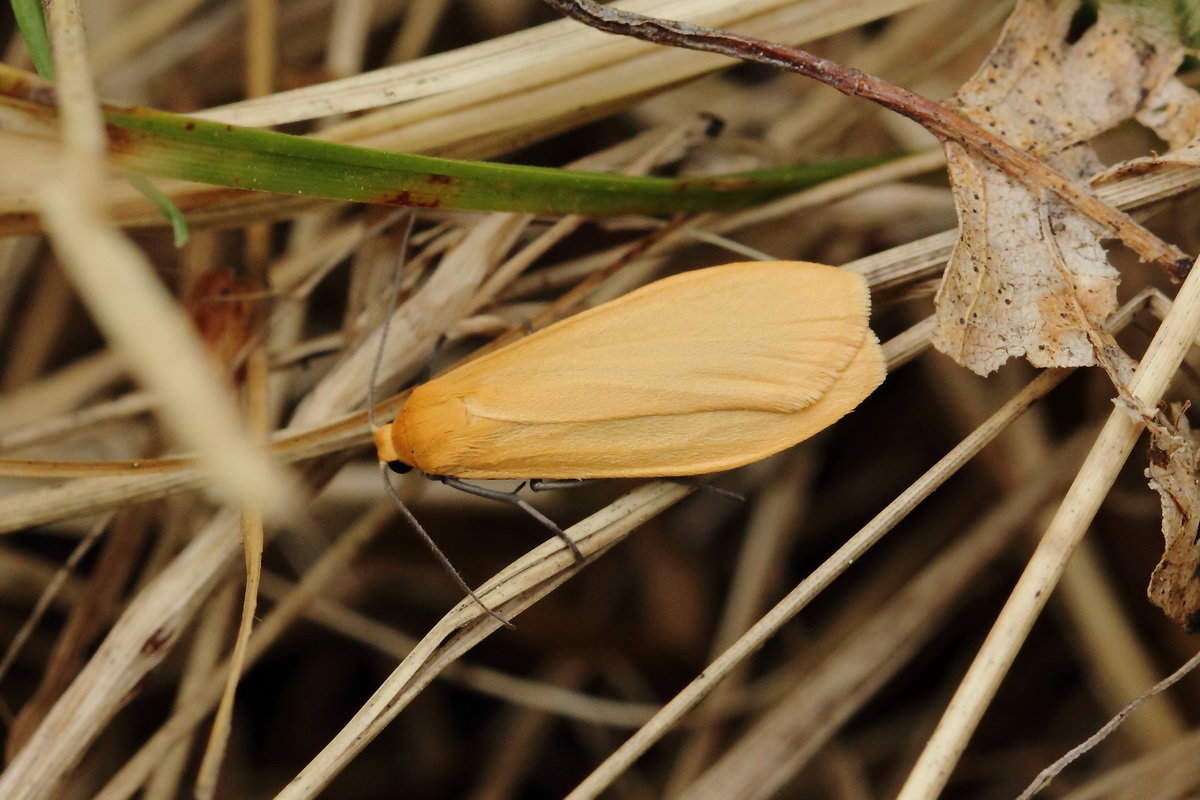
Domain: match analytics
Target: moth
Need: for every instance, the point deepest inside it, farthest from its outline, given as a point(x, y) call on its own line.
point(692, 374)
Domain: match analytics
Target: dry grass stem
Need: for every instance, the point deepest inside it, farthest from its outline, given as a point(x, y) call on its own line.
point(517, 691)
point(125, 296)
point(1113, 445)
point(131, 649)
point(555, 51)
point(509, 592)
point(1049, 773)
point(795, 601)
point(200, 703)
point(769, 755)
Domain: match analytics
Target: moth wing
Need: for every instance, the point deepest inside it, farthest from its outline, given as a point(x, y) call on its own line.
point(763, 336)
point(653, 446)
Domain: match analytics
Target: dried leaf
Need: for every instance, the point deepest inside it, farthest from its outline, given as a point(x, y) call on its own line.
point(1173, 113)
point(1174, 456)
point(221, 308)
point(1002, 296)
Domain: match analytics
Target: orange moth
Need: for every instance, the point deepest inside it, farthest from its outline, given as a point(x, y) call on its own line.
point(696, 373)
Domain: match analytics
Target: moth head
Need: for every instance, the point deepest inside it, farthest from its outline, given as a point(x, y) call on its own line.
point(385, 447)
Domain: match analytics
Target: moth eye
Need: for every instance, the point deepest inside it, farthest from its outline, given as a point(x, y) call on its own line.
point(399, 467)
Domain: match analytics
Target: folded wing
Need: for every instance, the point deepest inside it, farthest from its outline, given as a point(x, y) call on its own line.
point(769, 336)
point(700, 372)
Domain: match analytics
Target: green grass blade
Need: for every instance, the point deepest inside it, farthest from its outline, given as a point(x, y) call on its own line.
point(161, 144)
point(33, 30)
point(163, 203)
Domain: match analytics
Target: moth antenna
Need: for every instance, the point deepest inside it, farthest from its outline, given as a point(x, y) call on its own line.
point(437, 551)
point(393, 295)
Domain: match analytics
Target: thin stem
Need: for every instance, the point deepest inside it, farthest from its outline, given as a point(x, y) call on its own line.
point(934, 117)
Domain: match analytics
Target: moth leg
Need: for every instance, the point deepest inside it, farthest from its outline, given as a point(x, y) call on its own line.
point(511, 499)
point(543, 485)
point(701, 486)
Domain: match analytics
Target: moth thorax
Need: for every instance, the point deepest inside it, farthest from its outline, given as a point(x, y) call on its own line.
point(385, 444)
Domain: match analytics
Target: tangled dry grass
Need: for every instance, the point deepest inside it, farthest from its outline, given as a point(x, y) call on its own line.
point(815, 655)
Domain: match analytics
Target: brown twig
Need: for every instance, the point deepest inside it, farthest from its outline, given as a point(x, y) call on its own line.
point(934, 117)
